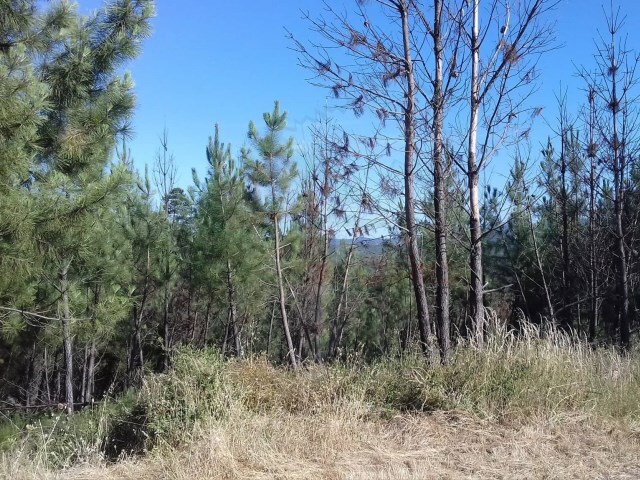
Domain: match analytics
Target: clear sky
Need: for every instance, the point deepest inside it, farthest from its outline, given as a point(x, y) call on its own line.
point(226, 62)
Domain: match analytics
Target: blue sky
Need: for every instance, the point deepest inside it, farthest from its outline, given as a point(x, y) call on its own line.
point(226, 62)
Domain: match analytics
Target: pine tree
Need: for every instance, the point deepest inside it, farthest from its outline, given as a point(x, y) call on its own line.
point(87, 104)
point(102, 293)
point(149, 238)
point(275, 170)
point(25, 33)
point(228, 249)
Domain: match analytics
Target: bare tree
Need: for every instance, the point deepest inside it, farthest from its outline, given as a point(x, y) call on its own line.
point(508, 66)
point(380, 80)
point(329, 205)
point(446, 34)
point(417, 275)
point(613, 87)
point(593, 181)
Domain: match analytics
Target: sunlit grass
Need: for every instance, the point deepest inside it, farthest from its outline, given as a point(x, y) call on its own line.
point(251, 413)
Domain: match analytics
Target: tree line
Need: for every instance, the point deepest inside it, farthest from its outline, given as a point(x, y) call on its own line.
point(353, 243)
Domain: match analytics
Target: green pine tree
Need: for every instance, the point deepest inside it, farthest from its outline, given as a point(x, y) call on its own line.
point(70, 119)
point(227, 244)
point(274, 170)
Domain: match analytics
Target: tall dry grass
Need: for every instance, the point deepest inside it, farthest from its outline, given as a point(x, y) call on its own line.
point(531, 404)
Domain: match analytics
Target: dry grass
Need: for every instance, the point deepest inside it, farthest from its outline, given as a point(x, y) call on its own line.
point(529, 406)
point(449, 445)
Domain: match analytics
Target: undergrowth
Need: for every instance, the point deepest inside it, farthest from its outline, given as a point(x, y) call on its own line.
point(515, 377)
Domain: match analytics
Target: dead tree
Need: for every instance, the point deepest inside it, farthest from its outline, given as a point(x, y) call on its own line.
point(503, 62)
point(381, 78)
point(613, 86)
point(593, 182)
point(440, 88)
point(329, 205)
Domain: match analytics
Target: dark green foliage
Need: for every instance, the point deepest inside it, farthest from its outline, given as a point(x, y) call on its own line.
point(229, 247)
point(63, 105)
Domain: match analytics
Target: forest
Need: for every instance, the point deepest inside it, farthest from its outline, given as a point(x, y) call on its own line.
point(386, 243)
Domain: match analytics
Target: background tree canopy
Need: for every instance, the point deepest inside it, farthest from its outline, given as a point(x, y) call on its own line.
point(313, 251)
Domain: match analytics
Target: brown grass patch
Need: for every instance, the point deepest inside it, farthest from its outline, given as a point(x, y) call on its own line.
point(449, 445)
point(527, 406)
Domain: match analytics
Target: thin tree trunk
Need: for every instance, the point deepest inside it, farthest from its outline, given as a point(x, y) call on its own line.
point(232, 311)
point(91, 373)
point(136, 365)
point(440, 197)
point(304, 333)
point(339, 322)
point(67, 340)
point(565, 320)
point(593, 285)
point(58, 371)
point(136, 362)
point(193, 328)
point(300, 350)
point(90, 354)
point(476, 294)
point(226, 335)
point(166, 342)
point(207, 321)
point(539, 262)
point(618, 174)
point(623, 282)
point(323, 264)
point(35, 377)
point(46, 375)
point(417, 277)
point(518, 281)
point(273, 314)
point(85, 365)
point(283, 305)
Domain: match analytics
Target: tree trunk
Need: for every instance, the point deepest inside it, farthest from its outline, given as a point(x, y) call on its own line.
point(565, 321)
point(273, 314)
point(340, 320)
point(317, 317)
point(58, 381)
point(476, 294)
point(623, 283)
point(415, 260)
point(85, 365)
point(536, 250)
point(232, 311)
point(283, 305)
point(136, 361)
point(621, 252)
point(440, 197)
point(166, 335)
point(593, 280)
point(193, 327)
point(618, 180)
point(67, 340)
point(35, 378)
point(91, 373)
point(46, 375)
point(207, 321)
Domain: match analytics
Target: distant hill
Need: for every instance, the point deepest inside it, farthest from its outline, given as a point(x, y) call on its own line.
point(365, 246)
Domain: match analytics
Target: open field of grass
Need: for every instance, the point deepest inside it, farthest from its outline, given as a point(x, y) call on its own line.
point(524, 407)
